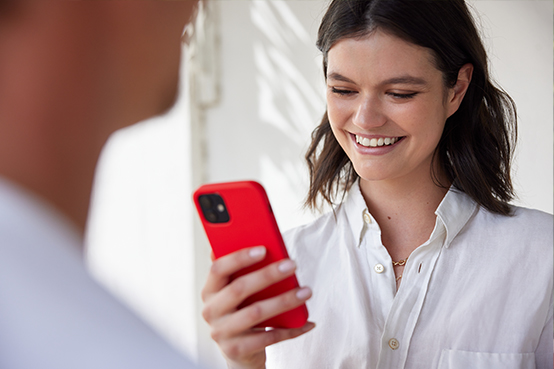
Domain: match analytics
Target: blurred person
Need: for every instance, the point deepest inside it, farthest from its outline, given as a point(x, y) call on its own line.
point(71, 73)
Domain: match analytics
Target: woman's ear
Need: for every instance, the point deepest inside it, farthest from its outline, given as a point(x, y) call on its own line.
point(458, 91)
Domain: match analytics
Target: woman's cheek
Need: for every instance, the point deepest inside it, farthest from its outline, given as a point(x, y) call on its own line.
point(337, 111)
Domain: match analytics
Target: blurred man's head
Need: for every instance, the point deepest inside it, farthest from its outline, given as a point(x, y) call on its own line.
point(125, 53)
point(71, 73)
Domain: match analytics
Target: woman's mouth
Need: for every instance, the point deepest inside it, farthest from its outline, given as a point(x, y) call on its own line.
point(377, 142)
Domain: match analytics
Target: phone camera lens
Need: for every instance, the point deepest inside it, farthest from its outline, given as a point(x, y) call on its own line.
point(211, 216)
point(205, 202)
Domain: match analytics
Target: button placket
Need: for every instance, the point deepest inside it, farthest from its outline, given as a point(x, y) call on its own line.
point(407, 305)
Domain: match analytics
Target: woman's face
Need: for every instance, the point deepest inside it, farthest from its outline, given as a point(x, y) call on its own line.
point(387, 105)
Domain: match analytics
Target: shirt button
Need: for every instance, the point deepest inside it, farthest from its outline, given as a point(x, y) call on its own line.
point(367, 217)
point(379, 268)
point(393, 343)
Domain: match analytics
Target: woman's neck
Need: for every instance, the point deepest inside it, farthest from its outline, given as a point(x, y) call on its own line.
point(405, 210)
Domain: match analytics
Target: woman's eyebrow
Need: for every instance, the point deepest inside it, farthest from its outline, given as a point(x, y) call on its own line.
point(339, 77)
point(401, 80)
point(404, 80)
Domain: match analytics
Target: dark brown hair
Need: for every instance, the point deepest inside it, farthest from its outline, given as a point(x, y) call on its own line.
point(476, 146)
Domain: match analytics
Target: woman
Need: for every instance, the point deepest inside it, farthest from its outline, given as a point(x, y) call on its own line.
point(424, 264)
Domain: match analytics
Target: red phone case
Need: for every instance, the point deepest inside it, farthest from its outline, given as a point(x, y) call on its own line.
point(251, 223)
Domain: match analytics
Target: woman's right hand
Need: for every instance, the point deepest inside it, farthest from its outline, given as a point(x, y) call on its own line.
point(233, 329)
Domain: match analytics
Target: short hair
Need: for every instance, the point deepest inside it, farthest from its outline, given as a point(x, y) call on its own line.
point(476, 147)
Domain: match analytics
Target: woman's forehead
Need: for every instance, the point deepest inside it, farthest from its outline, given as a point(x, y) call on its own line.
point(381, 54)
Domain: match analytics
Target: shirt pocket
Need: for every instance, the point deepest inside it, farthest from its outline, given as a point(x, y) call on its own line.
point(454, 359)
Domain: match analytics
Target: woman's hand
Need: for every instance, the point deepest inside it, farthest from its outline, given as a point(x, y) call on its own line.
point(232, 329)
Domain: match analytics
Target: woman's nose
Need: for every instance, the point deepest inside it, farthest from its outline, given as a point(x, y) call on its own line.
point(369, 113)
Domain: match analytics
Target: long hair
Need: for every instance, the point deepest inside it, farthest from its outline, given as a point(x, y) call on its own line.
point(475, 150)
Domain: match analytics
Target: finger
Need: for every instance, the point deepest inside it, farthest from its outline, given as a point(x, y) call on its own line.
point(251, 315)
point(227, 300)
point(243, 347)
point(225, 266)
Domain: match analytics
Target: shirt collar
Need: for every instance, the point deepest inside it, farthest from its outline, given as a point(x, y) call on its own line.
point(454, 211)
point(355, 209)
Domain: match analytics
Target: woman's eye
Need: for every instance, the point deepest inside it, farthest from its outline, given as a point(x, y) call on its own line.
point(402, 96)
point(342, 92)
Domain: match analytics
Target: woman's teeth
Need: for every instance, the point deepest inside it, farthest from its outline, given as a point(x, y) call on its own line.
point(376, 142)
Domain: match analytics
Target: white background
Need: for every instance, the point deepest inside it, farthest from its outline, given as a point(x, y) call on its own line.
point(252, 93)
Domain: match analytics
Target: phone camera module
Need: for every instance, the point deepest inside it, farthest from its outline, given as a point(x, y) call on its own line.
point(214, 209)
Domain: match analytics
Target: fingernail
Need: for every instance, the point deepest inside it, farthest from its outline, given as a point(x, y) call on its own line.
point(304, 293)
point(286, 266)
point(257, 252)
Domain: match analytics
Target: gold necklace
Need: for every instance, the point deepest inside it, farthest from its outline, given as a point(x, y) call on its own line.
point(400, 262)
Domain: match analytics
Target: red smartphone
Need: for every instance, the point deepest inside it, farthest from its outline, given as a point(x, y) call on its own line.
point(237, 215)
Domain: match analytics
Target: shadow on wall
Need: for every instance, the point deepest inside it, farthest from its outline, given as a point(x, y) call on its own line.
point(272, 97)
point(289, 106)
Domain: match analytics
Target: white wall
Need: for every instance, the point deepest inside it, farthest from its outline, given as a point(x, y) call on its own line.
point(271, 99)
point(255, 95)
point(519, 41)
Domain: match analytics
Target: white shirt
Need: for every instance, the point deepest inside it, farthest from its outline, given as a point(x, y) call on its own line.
point(53, 315)
point(476, 295)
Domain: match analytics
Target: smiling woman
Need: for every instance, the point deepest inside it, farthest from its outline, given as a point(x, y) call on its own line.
point(423, 263)
point(393, 94)
point(419, 141)
point(476, 140)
